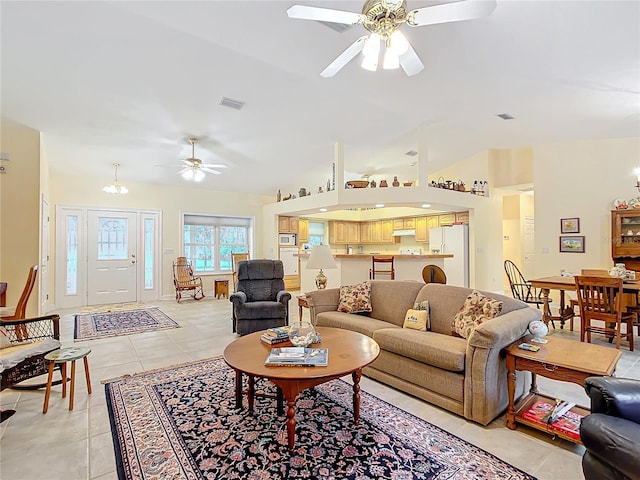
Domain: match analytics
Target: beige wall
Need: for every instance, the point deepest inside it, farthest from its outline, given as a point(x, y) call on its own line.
point(581, 179)
point(19, 210)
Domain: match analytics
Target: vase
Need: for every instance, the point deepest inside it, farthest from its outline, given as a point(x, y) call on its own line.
point(302, 334)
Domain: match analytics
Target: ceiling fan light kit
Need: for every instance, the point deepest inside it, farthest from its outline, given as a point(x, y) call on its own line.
point(383, 19)
point(193, 169)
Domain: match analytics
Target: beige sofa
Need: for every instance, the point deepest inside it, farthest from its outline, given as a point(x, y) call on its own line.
point(466, 377)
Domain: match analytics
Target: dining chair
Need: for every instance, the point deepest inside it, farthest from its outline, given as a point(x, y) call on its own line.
point(235, 258)
point(433, 274)
point(600, 299)
point(21, 307)
point(573, 302)
point(385, 269)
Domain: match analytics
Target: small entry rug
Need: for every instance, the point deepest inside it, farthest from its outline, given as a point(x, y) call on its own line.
point(180, 422)
point(110, 324)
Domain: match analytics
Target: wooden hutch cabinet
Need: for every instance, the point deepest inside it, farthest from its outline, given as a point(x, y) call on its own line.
point(625, 238)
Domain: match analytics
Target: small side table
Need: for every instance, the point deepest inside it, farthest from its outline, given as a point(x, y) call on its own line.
point(221, 288)
point(62, 356)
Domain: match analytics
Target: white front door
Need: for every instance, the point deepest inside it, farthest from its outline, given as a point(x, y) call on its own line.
point(529, 242)
point(112, 257)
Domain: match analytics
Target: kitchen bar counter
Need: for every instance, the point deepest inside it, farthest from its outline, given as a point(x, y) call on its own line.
point(352, 269)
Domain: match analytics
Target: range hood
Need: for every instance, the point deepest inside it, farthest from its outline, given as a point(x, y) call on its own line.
point(403, 233)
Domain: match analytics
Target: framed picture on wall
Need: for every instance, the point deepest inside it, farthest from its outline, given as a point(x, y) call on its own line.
point(572, 244)
point(569, 225)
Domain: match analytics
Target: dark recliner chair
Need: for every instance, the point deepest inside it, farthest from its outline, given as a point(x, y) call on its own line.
point(261, 301)
point(611, 433)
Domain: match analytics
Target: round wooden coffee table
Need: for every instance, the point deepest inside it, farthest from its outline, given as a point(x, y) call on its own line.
point(349, 353)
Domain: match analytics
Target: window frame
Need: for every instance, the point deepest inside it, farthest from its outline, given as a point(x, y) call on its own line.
point(216, 223)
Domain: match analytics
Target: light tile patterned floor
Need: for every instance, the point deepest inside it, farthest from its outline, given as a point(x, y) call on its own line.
point(78, 445)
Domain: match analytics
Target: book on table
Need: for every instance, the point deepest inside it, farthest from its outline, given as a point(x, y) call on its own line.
point(298, 357)
point(568, 423)
point(278, 332)
point(268, 340)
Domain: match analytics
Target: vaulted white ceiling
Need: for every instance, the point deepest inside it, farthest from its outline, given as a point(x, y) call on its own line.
point(129, 82)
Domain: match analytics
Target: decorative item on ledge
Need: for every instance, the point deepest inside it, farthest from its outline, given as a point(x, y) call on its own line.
point(395, 182)
point(451, 185)
point(321, 257)
point(407, 184)
point(357, 183)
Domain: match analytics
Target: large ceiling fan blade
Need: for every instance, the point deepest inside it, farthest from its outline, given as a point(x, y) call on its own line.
point(213, 165)
point(210, 170)
point(451, 12)
point(345, 57)
point(410, 62)
point(304, 12)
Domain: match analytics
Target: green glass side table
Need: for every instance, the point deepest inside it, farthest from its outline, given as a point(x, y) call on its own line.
point(62, 356)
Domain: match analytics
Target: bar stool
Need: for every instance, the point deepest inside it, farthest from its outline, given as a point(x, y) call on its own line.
point(387, 262)
point(62, 356)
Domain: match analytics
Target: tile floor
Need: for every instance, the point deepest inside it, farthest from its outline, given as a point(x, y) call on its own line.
point(78, 445)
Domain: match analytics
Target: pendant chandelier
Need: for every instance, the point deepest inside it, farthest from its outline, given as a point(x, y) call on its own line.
point(115, 187)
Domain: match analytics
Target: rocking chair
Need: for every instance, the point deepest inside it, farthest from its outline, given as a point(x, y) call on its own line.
point(184, 281)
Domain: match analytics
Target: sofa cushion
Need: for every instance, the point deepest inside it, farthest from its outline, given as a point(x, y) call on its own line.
point(446, 300)
point(390, 299)
point(349, 321)
point(476, 310)
point(441, 351)
point(12, 356)
point(416, 319)
point(355, 298)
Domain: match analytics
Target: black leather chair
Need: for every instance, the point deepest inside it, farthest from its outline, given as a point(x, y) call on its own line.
point(611, 433)
point(261, 301)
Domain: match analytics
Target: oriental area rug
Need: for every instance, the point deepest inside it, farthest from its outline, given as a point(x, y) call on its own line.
point(110, 324)
point(181, 422)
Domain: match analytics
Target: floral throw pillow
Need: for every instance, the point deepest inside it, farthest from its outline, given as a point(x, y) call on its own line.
point(355, 298)
point(476, 310)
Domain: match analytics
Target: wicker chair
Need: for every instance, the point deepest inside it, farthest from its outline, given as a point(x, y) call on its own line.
point(26, 342)
point(184, 281)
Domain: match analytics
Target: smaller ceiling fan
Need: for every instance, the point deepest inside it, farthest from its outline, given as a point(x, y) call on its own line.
point(193, 168)
point(383, 19)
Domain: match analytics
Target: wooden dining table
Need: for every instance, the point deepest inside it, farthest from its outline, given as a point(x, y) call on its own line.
point(546, 284)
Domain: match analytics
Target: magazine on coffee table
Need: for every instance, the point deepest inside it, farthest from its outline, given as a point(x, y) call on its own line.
point(298, 357)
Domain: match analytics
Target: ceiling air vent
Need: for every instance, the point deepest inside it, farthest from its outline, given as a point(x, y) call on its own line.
point(229, 102)
point(506, 116)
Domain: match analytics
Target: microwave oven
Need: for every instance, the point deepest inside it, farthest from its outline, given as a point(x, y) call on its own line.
point(287, 239)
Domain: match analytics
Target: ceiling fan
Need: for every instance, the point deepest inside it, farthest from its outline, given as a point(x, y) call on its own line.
point(193, 168)
point(383, 19)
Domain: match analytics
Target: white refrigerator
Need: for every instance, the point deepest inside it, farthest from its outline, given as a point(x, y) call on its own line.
point(454, 240)
point(289, 260)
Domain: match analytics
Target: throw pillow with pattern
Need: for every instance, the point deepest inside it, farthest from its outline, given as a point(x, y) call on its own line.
point(355, 298)
point(424, 305)
point(477, 309)
point(416, 319)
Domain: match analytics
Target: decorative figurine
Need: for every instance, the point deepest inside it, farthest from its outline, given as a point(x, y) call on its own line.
point(383, 183)
point(372, 184)
point(539, 330)
point(279, 196)
point(328, 185)
point(320, 190)
point(302, 192)
point(395, 183)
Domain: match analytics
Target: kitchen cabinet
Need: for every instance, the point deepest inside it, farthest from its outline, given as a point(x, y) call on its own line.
point(337, 232)
point(353, 232)
point(365, 232)
point(287, 224)
point(447, 219)
point(433, 221)
point(625, 238)
point(303, 231)
point(376, 231)
point(462, 217)
point(422, 230)
point(404, 223)
point(387, 232)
